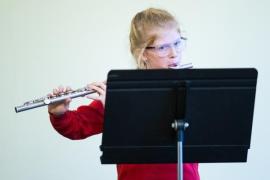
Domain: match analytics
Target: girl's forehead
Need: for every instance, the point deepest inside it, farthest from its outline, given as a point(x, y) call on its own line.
point(165, 35)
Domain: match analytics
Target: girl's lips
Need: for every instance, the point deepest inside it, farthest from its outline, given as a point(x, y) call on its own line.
point(173, 66)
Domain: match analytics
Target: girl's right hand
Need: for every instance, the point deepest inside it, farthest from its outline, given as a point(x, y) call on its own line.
point(59, 108)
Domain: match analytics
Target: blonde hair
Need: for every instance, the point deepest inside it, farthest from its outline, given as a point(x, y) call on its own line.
point(141, 25)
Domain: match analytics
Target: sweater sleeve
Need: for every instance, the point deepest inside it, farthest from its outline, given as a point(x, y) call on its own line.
point(81, 123)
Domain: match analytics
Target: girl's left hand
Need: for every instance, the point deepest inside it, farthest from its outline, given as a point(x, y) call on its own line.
point(100, 88)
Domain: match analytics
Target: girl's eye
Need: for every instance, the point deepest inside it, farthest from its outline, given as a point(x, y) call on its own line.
point(162, 47)
point(177, 43)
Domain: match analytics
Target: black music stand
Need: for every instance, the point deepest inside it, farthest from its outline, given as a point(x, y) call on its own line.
point(143, 105)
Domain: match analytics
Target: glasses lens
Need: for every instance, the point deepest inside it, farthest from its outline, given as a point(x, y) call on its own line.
point(165, 49)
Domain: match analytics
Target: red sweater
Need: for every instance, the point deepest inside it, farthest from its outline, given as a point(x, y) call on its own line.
point(88, 120)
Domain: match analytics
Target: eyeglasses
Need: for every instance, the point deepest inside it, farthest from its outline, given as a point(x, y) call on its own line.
point(164, 49)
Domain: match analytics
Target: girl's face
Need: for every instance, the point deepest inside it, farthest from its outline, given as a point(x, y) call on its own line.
point(166, 50)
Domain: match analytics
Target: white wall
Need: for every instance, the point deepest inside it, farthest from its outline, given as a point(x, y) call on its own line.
point(47, 43)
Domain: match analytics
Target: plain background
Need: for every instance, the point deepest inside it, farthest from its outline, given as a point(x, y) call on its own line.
point(44, 44)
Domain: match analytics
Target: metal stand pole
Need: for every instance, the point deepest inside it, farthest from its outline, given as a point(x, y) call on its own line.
point(180, 126)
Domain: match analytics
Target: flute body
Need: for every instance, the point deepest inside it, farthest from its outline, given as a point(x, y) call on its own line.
point(46, 100)
point(43, 101)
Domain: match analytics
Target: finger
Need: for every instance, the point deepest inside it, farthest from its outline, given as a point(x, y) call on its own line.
point(68, 88)
point(100, 84)
point(60, 88)
point(49, 95)
point(88, 87)
point(55, 91)
point(99, 90)
point(67, 101)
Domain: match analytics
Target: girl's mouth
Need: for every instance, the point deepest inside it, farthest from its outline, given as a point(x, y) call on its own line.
point(173, 66)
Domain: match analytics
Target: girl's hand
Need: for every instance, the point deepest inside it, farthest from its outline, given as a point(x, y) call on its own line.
point(59, 108)
point(100, 88)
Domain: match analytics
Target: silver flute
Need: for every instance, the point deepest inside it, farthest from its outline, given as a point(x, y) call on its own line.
point(47, 100)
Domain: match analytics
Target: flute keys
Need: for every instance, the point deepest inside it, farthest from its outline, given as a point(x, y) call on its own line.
point(47, 101)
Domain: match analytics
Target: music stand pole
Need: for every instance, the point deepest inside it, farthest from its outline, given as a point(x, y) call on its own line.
point(180, 126)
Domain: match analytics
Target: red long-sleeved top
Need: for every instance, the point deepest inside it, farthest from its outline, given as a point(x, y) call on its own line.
point(88, 120)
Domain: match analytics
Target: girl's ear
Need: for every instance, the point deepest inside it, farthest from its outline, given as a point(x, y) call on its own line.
point(144, 58)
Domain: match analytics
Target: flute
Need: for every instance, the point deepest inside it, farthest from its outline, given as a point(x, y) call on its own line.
point(47, 100)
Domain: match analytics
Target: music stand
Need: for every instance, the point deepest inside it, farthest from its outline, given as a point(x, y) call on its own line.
point(143, 105)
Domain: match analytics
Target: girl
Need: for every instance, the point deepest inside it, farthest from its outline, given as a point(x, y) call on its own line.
point(155, 42)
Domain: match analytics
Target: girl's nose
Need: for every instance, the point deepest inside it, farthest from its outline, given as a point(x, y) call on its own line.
point(173, 52)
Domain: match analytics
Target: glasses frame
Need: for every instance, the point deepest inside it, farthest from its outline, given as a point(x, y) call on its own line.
point(158, 49)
